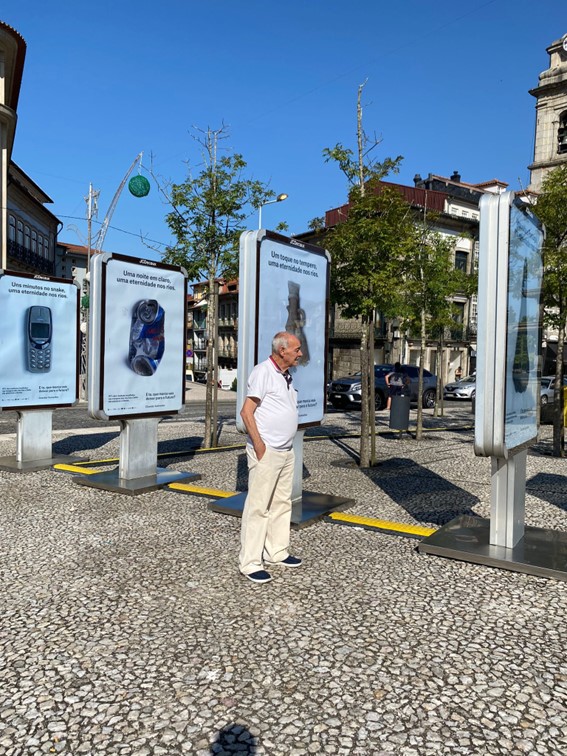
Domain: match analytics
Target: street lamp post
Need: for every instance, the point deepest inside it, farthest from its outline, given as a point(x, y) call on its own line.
point(279, 198)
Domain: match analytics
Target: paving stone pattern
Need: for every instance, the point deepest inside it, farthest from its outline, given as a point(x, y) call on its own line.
point(127, 629)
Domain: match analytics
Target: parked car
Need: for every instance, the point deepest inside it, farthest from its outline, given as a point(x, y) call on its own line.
point(463, 389)
point(346, 392)
point(547, 388)
point(547, 392)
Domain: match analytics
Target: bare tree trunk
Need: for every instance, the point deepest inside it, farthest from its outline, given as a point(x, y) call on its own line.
point(371, 391)
point(360, 139)
point(211, 410)
point(439, 406)
point(364, 410)
point(419, 426)
point(558, 404)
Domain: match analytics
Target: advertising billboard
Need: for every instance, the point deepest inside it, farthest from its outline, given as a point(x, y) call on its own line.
point(523, 342)
point(284, 286)
point(39, 341)
point(509, 337)
point(137, 337)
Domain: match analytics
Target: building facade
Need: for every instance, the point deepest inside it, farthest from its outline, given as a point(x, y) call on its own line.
point(454, 207)
point(12, 56)
point(227, 340)
point(32, 228)
point(550, 142)
point(550, 151)
point(28, 230)
point(71, 261)
point(460, 220)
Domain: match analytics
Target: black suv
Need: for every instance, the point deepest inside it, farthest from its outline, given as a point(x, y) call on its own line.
point(346, 392)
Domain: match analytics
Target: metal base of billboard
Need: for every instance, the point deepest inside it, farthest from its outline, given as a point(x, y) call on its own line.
point(137, 472)
point(110, 481)
point(13, 464)
point(539, 552)
point(34, 449)
point(305, 511)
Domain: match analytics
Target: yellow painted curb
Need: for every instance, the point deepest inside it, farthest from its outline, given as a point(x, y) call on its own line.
point(213, 493)
point(386, 525)
point(75, 469)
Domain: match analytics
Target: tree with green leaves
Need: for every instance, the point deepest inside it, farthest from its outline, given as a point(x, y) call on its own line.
point(367, 248)
point(551, 208)
point(429, 283)
point(209, 211)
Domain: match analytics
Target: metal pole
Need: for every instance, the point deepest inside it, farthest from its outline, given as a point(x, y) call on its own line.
point(89, 225)
point(260, 217)
point(86, 292)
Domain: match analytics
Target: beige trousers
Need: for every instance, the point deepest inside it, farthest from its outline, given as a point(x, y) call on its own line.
point(267, 510)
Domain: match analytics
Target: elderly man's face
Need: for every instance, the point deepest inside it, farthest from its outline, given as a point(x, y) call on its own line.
point(291, 354)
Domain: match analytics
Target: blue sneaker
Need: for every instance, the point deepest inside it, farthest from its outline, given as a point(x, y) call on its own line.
point(291, 561)
point(261, 576)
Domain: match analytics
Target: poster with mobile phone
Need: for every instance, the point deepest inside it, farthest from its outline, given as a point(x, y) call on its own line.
point(39, 341)
point(138, 337)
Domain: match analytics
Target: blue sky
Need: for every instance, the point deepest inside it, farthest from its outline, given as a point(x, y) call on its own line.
point(447, 89)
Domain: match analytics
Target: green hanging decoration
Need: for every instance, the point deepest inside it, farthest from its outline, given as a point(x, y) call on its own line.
point(139, 186)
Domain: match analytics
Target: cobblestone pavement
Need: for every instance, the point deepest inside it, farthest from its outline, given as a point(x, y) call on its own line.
point(127, 629)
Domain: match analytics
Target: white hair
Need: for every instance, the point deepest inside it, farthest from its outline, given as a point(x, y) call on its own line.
point(281, 339)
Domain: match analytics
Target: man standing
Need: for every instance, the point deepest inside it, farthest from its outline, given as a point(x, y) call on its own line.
point(269, 413)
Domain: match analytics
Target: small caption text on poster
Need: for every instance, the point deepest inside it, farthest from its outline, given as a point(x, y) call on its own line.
point(293, 264)
point(40, 290)
point(156, 282)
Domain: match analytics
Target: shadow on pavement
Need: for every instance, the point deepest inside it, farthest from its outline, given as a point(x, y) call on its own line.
point(234, 739)
point(549, 487)
point(178, 446)
point(426, 496)
point(76, 443)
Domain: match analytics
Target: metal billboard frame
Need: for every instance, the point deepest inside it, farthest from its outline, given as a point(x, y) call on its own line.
point(307, 506)
point(503, 541)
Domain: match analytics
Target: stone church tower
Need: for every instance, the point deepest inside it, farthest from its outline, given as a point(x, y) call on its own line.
point(551, 115)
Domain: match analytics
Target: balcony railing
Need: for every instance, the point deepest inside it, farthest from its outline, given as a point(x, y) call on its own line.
point(352, 329)
point(231, 320)
point(455, 333)
point(31, 259)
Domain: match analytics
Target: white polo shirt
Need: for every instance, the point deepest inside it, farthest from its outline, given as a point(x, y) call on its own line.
point(276, 415)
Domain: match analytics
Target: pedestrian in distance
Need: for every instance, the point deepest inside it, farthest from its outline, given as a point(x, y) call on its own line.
point(458, 373)
point(396, 381)
point(269, 413)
